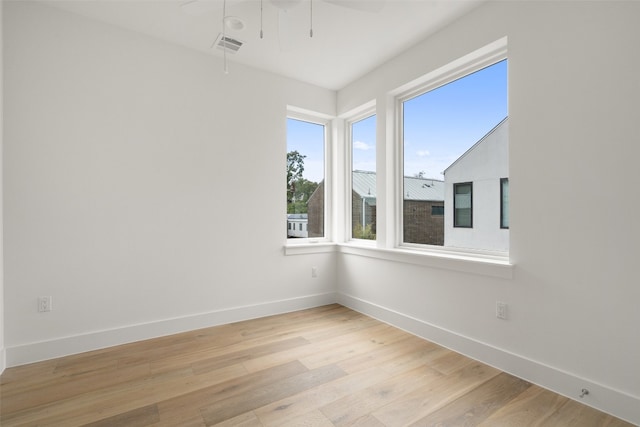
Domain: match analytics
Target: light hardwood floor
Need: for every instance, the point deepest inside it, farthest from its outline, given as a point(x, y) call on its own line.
point(327, 366)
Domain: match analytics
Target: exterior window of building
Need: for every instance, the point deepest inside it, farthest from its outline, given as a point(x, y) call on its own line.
point(463, 205)
point(454, 131)
point(306, 141)
point(504, 203)
point(362, 135)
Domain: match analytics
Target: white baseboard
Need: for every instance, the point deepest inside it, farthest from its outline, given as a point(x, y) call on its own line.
point(601, 397)
point(44, 350)
point(3, 359)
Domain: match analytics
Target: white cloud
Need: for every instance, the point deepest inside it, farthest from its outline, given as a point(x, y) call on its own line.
point(359, 145)
point(423, 153)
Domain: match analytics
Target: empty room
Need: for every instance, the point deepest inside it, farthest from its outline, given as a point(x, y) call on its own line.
point(319, 213)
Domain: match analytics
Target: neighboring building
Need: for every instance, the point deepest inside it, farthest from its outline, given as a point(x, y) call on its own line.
point(423, 208)
point(315, 209)
point(363, 200)
point(423, 211)
point(477, 194)
point(297, 225)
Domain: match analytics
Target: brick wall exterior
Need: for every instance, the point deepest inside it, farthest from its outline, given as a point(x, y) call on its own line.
point(315, 210)
point(420, 226)
point(356, 212)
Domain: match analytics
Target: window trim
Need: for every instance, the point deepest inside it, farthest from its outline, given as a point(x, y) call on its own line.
point(456, 185)
point(312, 117)
point(365, 112)
point(474, 61)
point(389, 246)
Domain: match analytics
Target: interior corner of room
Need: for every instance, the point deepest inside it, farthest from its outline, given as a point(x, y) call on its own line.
point(143, 193)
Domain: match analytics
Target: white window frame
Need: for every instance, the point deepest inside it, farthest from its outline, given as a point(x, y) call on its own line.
point(316, 244)
point(364, 112)
point(455, 70)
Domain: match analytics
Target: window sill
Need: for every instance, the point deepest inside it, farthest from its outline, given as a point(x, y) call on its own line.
point(494, 266)
point(309, 247)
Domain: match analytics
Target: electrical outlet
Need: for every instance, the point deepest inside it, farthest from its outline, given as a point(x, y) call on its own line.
point(314, 271)
point(44, 304)
point(501, 310)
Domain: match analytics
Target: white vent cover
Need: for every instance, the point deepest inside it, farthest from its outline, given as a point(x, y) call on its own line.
point(232, 45)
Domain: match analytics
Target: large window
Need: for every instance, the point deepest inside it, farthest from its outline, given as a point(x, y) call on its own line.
point(363, 178)
point(454, 154)
point(305, 177)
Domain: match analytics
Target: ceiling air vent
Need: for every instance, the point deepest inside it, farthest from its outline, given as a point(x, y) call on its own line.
point(232, 45)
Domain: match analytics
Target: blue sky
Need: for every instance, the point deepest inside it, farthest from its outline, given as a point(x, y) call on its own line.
point(439, 126)
point(308, 139)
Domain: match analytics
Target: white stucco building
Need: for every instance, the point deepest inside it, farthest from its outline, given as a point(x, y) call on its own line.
point(479, 174)
point(297, 225)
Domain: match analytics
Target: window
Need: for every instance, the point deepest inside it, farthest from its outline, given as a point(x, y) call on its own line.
point(305, 175)
point(454, 132)
point(463, 205)
point(504, 203)
point(362, 135)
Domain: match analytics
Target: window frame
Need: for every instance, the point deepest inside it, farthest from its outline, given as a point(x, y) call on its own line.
point(389, 150)
point(457, 69)
point(502, 207)
point(440, 210)
point(365, 112)
point(312, 117)
point(455, 186)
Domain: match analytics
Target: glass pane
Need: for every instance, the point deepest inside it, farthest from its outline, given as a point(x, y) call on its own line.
point(363, 178)
point(462, 204)
point(440, 127)
point(305, 178)
point(504, 207)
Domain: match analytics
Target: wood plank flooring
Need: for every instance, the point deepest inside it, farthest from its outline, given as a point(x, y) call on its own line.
point(327, 366)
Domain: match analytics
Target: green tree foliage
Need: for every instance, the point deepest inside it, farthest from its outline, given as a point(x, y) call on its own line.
point(363, 233)
point(295, 168)
point(299, 189)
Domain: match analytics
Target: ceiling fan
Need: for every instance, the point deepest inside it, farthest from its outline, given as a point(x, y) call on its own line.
point(227, 44)
point(199, 7)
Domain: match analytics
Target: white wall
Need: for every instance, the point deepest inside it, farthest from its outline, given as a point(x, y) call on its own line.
point(127, 163)
point(126, 159)
point(484, 165)
point(573, 113)
point(2, 349)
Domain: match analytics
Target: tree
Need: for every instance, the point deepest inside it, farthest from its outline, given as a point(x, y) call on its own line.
point(364, 233)
point(303, 189)
point(295, 168)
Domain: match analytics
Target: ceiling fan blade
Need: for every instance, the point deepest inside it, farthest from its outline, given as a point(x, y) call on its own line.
point(372, 6)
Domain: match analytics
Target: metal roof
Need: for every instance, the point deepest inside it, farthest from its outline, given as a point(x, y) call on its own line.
point(297, 216)
point(364, 184)
point(423, 189)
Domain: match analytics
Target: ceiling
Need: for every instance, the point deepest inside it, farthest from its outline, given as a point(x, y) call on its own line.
point(350, 37)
